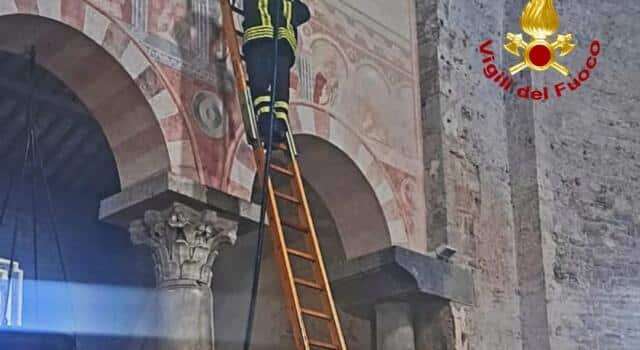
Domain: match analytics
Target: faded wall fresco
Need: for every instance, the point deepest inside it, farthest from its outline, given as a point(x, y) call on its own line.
point(356, 65)
point(354, 86)
point(357, 62)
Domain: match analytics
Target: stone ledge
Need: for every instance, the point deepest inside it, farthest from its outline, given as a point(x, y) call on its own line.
point(159, 192)
point(397, 273)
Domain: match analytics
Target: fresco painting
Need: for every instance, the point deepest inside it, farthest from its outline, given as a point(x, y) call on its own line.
point(329, 74)
point(355, 66)
point(173, 20)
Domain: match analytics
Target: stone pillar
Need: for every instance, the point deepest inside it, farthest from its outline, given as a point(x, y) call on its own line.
point(409, 294)
point(185, 244)
point(435, 327)
point(394, 326)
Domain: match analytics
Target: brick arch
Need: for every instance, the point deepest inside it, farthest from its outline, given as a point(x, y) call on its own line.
point(307, 119)
point(112, 75)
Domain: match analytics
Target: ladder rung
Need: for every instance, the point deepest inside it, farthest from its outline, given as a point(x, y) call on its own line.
point(232, 14)
point(316, 314)
point(308, 283)
point(321, 344)
point(300, 254)
point(282, 170)
point(294, 226)
point(287, 197)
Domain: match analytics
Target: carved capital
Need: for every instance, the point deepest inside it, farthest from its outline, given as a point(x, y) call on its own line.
point(185, 242)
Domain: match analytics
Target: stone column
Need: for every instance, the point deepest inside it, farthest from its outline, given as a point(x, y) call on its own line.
point(394, 326)
point(435, 327)
point(409, 295)
point(185, 244)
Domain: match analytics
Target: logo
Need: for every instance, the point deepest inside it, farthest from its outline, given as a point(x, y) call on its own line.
point(540, 21)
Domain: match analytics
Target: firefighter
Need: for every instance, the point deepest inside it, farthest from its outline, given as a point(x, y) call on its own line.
point(259, 21)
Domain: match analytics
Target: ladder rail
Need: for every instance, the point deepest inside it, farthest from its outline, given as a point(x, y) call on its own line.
point(282, 257)
point(275, 227)
point(319, 268)
point(230, 35)
point(282, 253)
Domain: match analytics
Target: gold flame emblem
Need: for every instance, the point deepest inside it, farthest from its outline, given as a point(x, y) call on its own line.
point(540, 20)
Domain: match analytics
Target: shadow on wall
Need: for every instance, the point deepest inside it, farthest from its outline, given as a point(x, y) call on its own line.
point(108, 276)
point(349, 223)
point(232, 285)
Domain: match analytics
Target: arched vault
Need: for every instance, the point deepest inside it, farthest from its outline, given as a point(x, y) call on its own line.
point(343, 171)
point(107, 69)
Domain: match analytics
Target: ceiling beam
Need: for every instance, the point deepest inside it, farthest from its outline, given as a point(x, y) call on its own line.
point(66, 151)
point(53, 101)
point(81, 161)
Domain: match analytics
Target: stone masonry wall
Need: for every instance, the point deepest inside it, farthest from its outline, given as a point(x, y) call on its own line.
point(466, 165)
point(556, 182)
point(589, 146)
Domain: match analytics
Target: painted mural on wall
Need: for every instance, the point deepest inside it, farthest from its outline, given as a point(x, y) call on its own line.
point(328, 74)
point(174, 23)
point(356, 63)
point(361, 75)
point(184, 38)
point(179, 33)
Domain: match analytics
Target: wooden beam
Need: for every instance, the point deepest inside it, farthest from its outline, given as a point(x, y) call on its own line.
point(66, 107)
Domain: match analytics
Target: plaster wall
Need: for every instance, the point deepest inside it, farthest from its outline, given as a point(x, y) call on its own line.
point(356, 78)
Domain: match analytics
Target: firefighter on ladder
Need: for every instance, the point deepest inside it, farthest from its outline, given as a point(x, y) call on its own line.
point(259, 21)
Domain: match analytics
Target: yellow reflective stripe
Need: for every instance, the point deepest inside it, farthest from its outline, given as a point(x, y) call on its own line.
point(265, 109)
point(261, 99)
point(258, 32)
point(257, 36)
point(281, 115)
point(289, 29)
point(282, 105)
point(287, 34)
point(286, 31)
point(263, 7)
point(287, 11)
point(259, 28)
point(262, 34)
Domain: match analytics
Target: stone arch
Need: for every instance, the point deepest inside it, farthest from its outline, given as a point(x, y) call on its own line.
point(108, 70)
point(317, 129)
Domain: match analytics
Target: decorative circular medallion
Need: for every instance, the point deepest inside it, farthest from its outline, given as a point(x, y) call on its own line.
point(208, 111)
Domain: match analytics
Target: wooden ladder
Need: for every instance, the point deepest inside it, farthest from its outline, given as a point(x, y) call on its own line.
point(303, 276)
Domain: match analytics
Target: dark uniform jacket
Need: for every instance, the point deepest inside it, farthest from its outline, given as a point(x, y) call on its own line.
point(260, 18)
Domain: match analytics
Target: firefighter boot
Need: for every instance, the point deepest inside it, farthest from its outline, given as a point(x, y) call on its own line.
point(279, 129)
